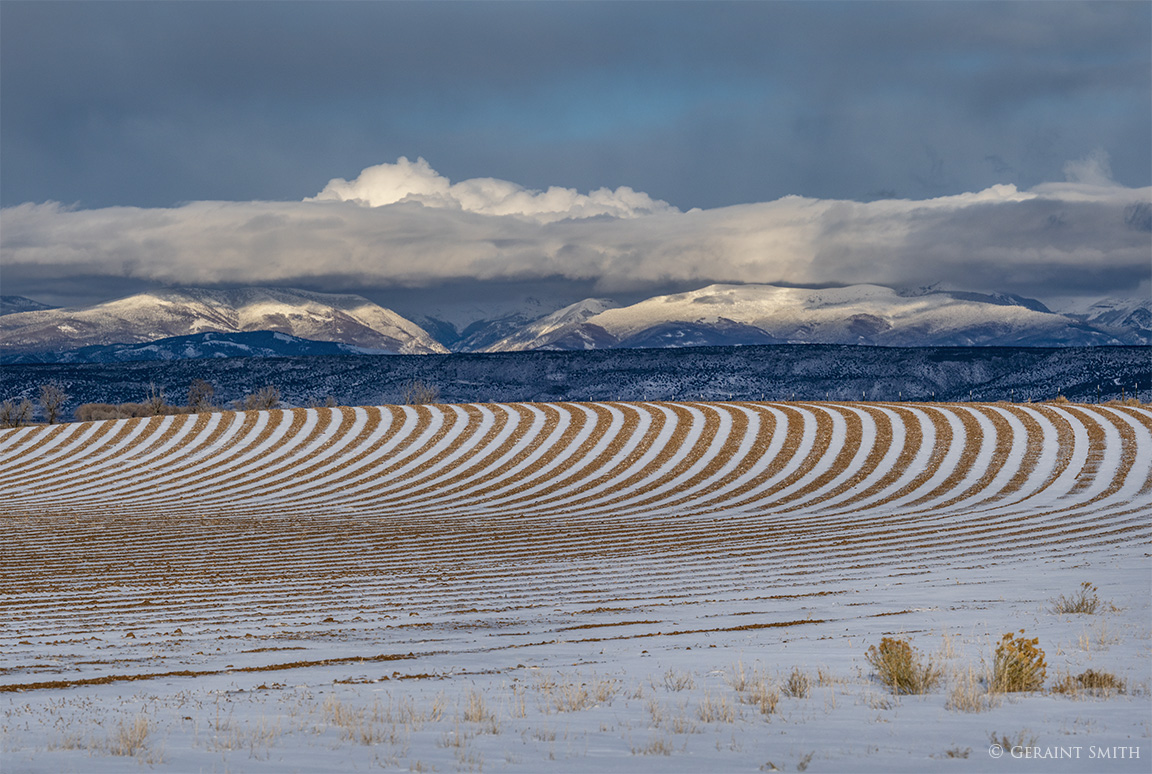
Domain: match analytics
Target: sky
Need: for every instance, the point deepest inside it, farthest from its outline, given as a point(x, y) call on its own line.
point(429, 153)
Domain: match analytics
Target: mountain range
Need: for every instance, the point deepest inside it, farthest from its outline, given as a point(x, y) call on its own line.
point(197, 323)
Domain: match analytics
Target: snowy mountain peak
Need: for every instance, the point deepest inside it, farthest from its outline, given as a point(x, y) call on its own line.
point(856, 314)
point(1121, 313)
point(548, 332)
point(171, 312)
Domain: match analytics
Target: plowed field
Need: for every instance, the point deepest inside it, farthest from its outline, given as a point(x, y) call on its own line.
point(364, 544)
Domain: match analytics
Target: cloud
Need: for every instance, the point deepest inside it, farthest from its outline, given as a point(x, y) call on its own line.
point(406, 181)
point(403, 225)
point(1093, 169)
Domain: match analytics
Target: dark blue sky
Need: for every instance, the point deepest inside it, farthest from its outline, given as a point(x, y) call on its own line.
point(701, 105)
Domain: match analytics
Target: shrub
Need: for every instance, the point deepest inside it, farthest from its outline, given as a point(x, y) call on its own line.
point(154, 402)
point(1084, 601)
point(1019, 664)
point(1104, 683)
point(200, 394)
point(898, 666)
point(94, 412)
point(267, 397)
point(418, 392)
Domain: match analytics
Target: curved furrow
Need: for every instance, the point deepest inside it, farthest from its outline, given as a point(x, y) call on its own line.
point(232, 449)
point(570, 432)
point(627, 433)
point(18, 446)
point(498, 458)
point(848, 477)
point(783, 464)
point(859, 468)
point(385, 428)
point(389, 487)
point(61, 447)
point(559, 455)
point(659, 469)
point(409, 432)
point(136, 464)
point(724, 439)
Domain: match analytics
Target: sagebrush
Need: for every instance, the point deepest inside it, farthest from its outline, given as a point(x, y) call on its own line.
point(902, 668)
point(1018, 665)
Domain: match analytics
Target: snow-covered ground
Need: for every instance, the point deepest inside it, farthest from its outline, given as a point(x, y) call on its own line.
point(572, 587)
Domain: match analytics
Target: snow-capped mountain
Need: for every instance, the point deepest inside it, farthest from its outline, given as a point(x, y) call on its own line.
point(717, 315)
point(859, 314)
point(1120, 314)
point(563, 329)
point(162, 314)
point(17, 304)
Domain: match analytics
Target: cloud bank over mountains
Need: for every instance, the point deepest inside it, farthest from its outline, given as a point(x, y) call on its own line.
point(405, 225)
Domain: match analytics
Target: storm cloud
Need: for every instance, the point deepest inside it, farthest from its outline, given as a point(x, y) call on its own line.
point(403, 225)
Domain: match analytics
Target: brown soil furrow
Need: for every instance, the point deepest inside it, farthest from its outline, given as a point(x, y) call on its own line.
point(75, 448)
point(816, 488)
point(716, 459)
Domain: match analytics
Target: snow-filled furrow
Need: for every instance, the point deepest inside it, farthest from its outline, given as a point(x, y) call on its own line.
point(710, 460)
point(654, 473)
point(63, 444)
point(96, 458)
point(820, 463)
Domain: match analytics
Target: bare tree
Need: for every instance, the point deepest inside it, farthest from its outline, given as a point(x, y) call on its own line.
point(13, 414)
point(267, 397)
point(52, 400)
point(154, 403)
point(200, 394)
point(418, 392)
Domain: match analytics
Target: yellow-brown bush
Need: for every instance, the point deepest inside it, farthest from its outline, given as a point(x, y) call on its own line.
point(898, 666)
point(1018, 665)
point(1090, 681)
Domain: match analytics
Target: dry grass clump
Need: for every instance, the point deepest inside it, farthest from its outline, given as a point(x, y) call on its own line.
point(658, 746)
point(968, 693)
point(1090, 682)
point(716, 710)
point(130, 738)
point(678, 681)
point(763, 695)
point(353, 722)
point(798, 685)
point(899, 666)
point(570, 696)
point(753, 688)
point(1022, 739)
point(1019, 665)
point(1083, 602)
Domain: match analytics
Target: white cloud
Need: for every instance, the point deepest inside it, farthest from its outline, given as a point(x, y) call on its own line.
point(403, 225)
point(407, 181)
